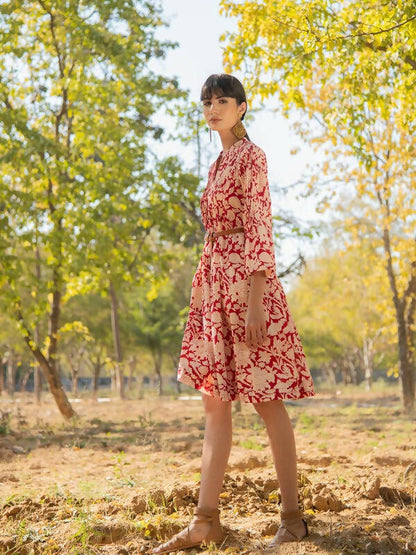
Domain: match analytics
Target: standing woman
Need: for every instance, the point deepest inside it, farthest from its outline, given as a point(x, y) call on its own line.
point(240, 341)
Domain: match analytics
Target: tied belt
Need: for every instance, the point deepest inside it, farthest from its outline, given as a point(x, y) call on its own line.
point(212, 235)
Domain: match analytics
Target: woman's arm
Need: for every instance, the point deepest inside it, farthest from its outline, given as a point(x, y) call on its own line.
point(256, 328)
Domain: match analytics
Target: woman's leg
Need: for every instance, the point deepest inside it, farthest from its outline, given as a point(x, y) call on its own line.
point(215, 453)
point(282, 442)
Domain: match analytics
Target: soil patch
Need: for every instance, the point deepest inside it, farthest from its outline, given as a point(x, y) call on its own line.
point(124, 475)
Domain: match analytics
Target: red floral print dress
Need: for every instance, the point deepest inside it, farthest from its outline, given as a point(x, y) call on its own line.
point(215, 358)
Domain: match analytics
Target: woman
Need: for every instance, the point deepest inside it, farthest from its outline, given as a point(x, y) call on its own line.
point(240, 341)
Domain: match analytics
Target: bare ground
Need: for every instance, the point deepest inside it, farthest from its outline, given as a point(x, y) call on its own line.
point(125, 475)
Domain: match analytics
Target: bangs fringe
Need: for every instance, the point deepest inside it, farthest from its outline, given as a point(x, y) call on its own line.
point(219, 84)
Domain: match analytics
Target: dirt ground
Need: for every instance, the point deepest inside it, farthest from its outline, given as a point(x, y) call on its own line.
point(125, 475)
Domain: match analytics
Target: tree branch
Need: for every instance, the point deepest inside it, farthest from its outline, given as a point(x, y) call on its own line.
point(52, 26)
point(411, 286)
point(28, 337)
point(407, 59)
point(295, 266)
point(343, 37)
point(372, 33)
point(54, 317)
point(321, 39)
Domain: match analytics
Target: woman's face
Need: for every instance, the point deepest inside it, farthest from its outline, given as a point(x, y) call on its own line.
point(222, 112)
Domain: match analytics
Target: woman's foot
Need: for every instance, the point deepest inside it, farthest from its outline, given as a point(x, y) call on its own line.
point(205, 528)
point(293, 528)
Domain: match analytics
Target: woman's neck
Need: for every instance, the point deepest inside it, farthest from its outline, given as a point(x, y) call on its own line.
point(227, 139)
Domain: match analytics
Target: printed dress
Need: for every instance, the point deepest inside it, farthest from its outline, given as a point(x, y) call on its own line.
point(214, 357)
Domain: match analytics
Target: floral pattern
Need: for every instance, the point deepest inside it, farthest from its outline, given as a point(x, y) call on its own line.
point(214, 357)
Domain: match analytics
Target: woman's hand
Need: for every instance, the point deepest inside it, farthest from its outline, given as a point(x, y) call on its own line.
point(256, 318)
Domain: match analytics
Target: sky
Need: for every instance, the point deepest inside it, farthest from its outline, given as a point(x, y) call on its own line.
point(197, 25)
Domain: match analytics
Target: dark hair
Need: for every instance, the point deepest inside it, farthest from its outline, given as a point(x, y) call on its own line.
point(225, 85)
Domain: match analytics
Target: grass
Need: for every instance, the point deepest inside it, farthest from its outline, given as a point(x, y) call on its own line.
point(5, 423)
point(252, 444)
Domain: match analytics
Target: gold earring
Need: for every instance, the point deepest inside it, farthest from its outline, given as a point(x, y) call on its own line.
point(239, 130)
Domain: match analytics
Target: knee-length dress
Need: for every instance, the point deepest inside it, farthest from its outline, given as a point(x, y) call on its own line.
point(215, 358)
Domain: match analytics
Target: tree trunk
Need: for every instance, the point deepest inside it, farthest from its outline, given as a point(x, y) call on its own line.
point(24, 380)
point(368, 361)
point(330, 372)
point(37, 371)
point(132, 367)
point(38, 383)
point(2, 361)
point(74, 374)
point(96, 375)
point(406, 368)
point(50, 372)
point(114, 386)
point(115, 327)
point(10, 374)
point(157, 357)
point(406, 363)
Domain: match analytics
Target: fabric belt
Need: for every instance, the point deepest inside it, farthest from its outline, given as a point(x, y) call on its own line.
point(212, 235)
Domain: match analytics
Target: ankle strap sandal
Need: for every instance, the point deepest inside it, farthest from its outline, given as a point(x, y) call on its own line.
point(183, 540)
point(289, 530)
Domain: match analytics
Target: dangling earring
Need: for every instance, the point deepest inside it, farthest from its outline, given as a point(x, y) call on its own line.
point(239, 130)
point(210, 135)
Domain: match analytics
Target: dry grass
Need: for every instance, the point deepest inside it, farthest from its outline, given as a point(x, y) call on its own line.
point(125, 475)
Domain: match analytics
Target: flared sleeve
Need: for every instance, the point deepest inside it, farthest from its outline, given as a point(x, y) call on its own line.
point(257, 216)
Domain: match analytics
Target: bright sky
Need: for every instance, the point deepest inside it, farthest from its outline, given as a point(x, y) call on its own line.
point(196, 25)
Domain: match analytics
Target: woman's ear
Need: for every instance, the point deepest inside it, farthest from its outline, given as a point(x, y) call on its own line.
point(242, 109)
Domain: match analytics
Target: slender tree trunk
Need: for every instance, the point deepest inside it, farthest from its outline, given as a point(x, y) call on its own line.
point(132, 367)
point(2, 361)
point(175, 362)
point(330, 371)
point(57, 390)
point(96, 375)
point(406, 367)
point(114, 386)
point(37, 372)
point(368, 361)
point(55, 385)
point(406, 363)
point(74, 375)
point(157, 357)
point(38, 383)
point(49, 370)
point(24, 380)
point(10, 374)
point(115, 327)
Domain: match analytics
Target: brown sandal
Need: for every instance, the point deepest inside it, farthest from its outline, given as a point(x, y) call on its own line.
point(182, 540)
point(285, 532)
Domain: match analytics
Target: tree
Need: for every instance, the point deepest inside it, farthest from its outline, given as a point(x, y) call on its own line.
point(74, 339)
point(77, 98)
point(341, 307)
point(159, 315)
point(350, 67)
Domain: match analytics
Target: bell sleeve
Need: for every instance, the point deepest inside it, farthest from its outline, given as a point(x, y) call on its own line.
point(257, 216)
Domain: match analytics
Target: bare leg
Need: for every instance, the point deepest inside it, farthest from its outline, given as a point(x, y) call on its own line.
point(215, 453)
point(282, 442)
